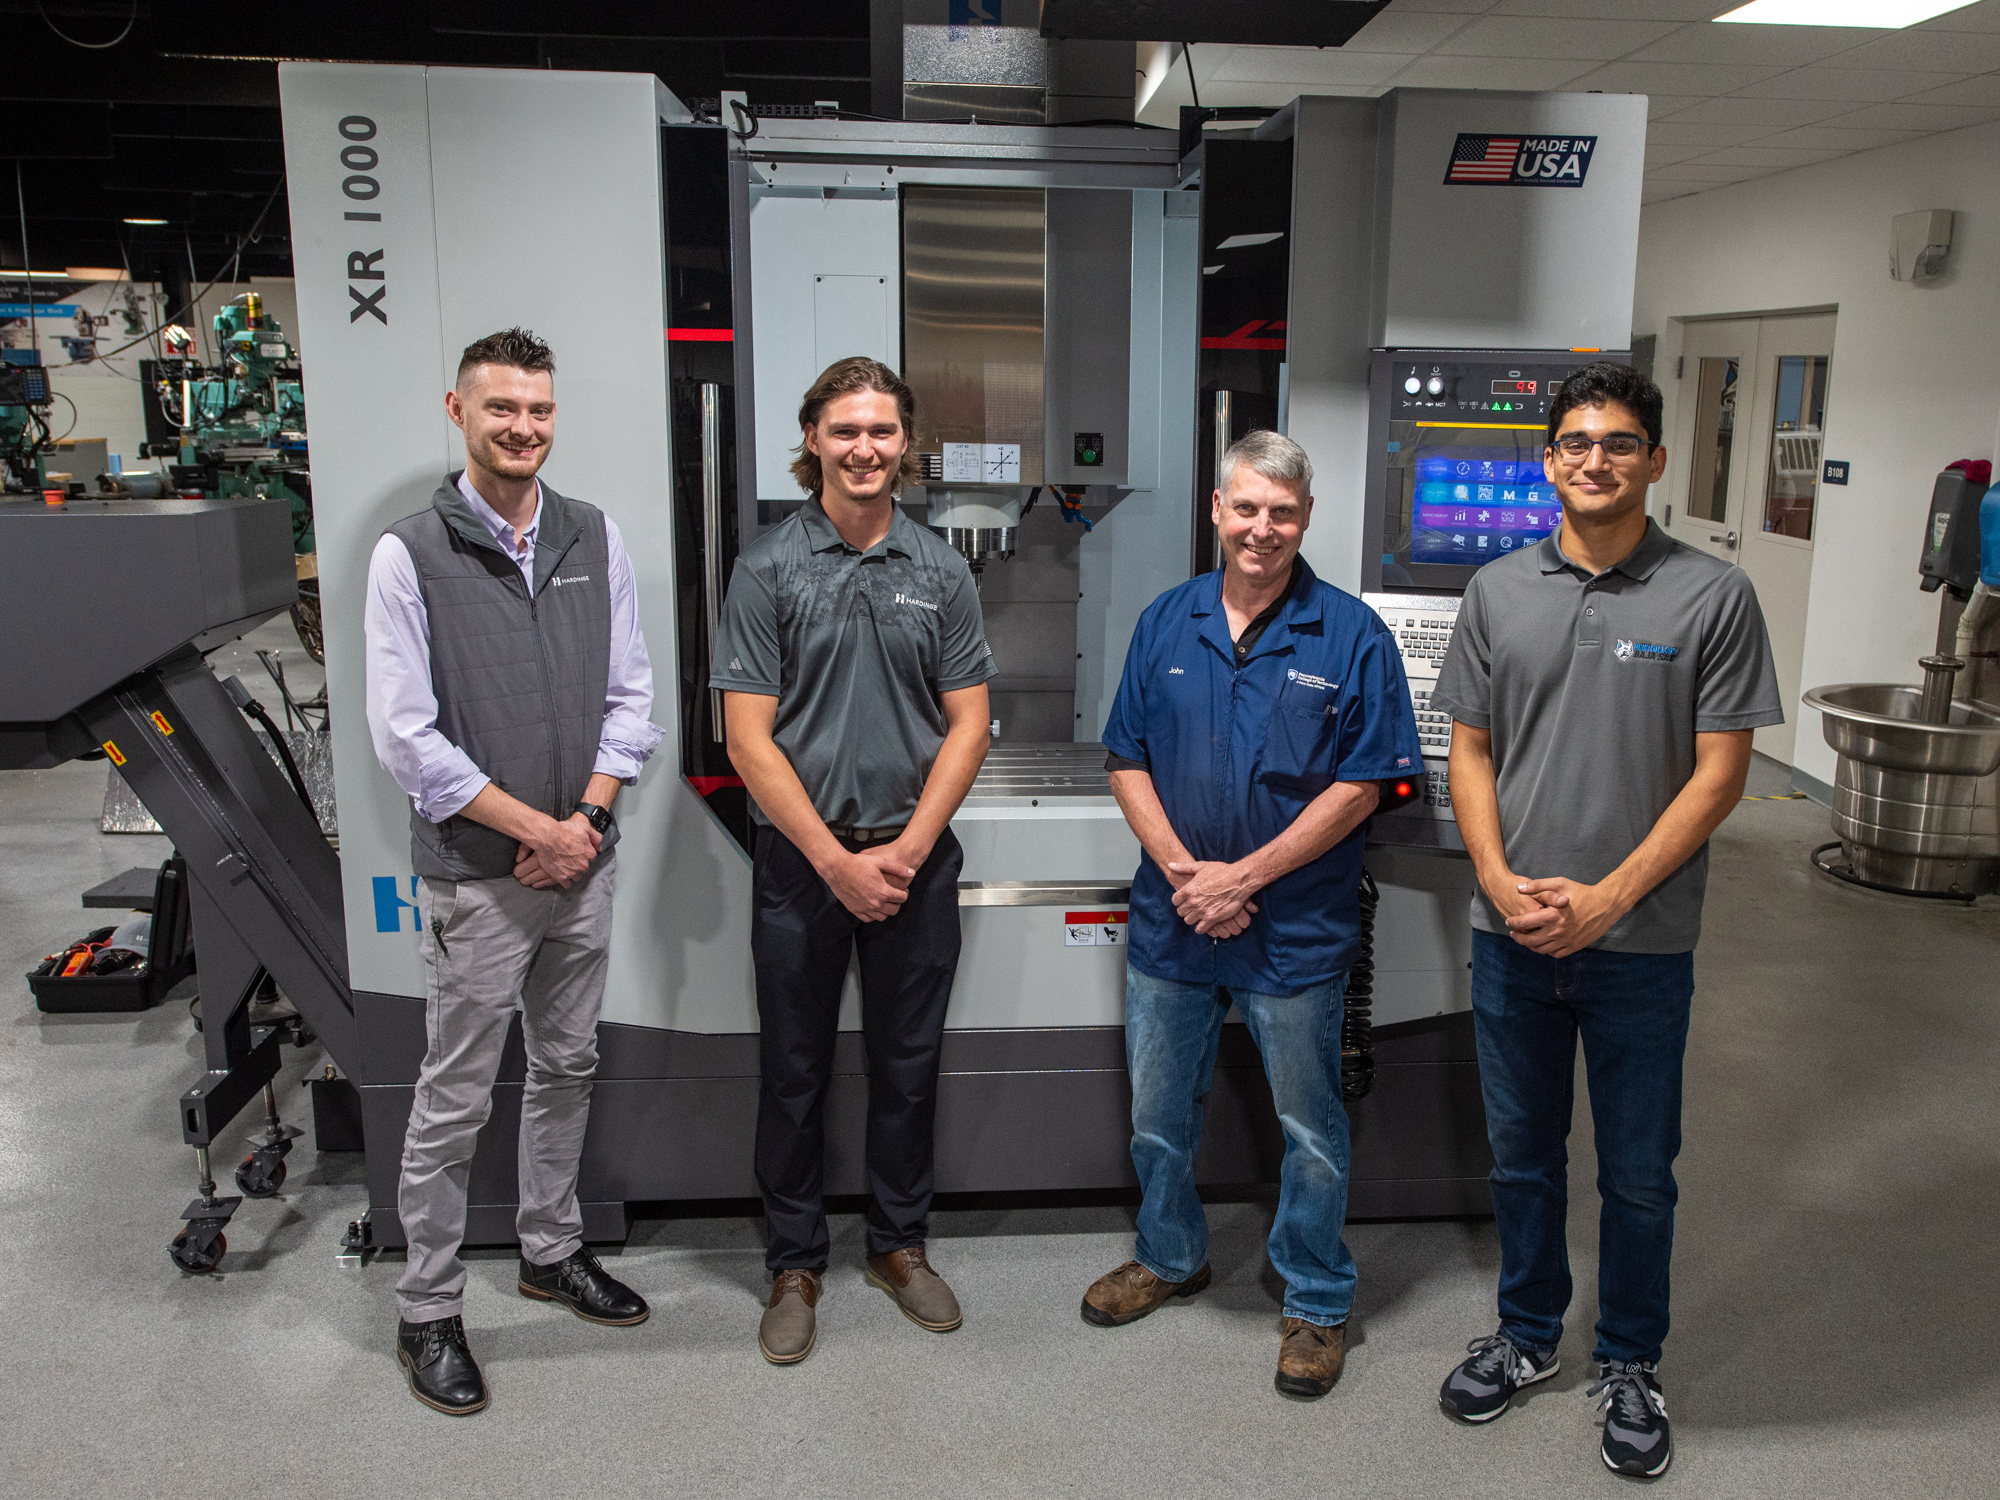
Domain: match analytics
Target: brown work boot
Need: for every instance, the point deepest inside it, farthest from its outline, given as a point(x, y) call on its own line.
point(1130, 1292)
point(789, 1329)
point(1309, 1358)
point(919, 1291)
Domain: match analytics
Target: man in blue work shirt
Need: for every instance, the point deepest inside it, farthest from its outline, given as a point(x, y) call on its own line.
point(1259, 713)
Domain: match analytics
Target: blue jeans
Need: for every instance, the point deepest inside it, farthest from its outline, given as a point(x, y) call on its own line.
point(1631, 1009)
point(1171, 1033)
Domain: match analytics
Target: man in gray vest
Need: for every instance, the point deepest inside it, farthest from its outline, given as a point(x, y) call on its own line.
point(509, 693)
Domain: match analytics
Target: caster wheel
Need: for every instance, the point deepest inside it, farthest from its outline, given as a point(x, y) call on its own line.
point(192, 1259)
point(258, 1182)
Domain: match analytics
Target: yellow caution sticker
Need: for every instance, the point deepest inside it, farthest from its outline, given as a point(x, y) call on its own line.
point(160, 722)
point(117, 755)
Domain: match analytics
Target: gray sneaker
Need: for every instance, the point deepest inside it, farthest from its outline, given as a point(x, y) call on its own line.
point(1637, 1440)
point(1482, 1386)
point(789, 1329)
point(919, 1291)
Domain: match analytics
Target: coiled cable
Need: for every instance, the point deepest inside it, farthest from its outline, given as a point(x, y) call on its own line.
point(1357, 1036)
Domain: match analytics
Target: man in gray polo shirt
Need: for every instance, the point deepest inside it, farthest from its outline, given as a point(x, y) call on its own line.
point(854, 665)
point(1604, 686)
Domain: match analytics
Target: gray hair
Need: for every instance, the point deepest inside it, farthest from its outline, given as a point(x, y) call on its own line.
point(1271, 454)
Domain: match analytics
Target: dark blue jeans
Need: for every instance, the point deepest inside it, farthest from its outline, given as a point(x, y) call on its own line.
point(1631, 1010)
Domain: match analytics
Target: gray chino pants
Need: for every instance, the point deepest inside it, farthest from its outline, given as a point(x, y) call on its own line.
point(489, 945)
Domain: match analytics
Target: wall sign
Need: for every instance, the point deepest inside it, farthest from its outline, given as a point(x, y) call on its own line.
point(1834, 471)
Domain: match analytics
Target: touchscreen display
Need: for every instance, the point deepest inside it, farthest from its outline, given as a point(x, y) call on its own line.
point(1475, 498)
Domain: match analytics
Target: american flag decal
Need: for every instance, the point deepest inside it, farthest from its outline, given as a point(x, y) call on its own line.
point(1484, 158)
point(1520, 161)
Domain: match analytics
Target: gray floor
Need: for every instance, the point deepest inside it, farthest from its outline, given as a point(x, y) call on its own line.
point(1837, 1298)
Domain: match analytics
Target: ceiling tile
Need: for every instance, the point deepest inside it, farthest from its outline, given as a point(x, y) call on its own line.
point(1984, 16)
point(1674, 78)
point(1703, 171)
point(1781, 46)
point(1307, 65)
point(1775, 157)
point(1448, 7)
point(1527, 73)
point(1940, 51)
point(1774, 114)
point(1667, 104)
point(1985, 89)
point(1814, 136)
point(1658, 155)
point(1539, 36)
point(1918, 116)
point(1403, 31)
point(1861, 85)
point(1667, 192)
point(1677, 133)
point(1649, 10)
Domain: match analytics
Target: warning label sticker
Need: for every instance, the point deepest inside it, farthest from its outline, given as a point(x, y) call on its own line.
point(1095, 929)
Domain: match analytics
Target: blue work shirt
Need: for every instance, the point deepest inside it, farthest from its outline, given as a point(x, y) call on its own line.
point(1236, 753)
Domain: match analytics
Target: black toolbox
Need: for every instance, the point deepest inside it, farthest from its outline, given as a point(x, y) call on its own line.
point(169, 948)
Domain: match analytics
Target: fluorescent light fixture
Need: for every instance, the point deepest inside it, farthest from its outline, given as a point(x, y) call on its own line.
point(1242, 241)
point(1210, 270)
point(1884, 15)
point(38, 275)
point(145, 221)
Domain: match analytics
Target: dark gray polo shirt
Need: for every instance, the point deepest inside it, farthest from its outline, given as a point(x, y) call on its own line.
point(1594, 689)
point(858, 648)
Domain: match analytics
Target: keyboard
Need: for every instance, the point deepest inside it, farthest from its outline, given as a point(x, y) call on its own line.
point(1423, 626)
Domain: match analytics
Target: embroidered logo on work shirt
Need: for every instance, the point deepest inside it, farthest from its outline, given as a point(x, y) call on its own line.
point(920, 603)
point(1307, 679)
point(556, 583)
point(1643, 651)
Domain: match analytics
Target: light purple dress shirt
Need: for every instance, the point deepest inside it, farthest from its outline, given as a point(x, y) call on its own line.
point(402, 707)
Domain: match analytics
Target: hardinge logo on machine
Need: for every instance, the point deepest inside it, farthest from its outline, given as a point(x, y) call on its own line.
point(1520, 160)
point(390, 904)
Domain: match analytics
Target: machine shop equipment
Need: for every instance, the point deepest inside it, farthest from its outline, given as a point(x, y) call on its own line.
point(116, 671)
point(1916, 793)
point(786, 247)
point(238, 427)
point(25, 399)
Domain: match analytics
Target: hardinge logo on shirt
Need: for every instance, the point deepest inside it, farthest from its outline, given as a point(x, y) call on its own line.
point(920, 603)
point(556, 583)
point(1643, 651)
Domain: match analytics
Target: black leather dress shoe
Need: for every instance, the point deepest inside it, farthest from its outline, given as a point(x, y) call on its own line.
point(583, 1286)
point(442, 1373)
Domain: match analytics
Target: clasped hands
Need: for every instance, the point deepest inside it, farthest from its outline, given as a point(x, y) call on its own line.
point(1213, 896)
point(558, 855)
point(873, 883)
point(1556, 917)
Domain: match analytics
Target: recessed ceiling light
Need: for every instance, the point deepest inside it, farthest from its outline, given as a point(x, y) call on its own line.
point(1241, 241)
point(1885, 15)
point(1211, 270)
point(145, 221)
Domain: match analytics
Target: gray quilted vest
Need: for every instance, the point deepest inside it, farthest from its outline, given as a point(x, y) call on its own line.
point(519, 678)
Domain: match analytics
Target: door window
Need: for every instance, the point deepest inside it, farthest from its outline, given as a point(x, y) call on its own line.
point(1714, 435)
point(1798, 417)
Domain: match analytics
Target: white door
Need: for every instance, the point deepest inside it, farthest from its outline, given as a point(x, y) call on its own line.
point(1748, 444)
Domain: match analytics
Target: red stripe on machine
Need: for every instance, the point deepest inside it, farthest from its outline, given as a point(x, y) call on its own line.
point(1097, 916)
point(701, 335)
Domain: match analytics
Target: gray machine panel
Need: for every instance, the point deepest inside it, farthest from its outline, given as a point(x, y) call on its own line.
point(100, 589)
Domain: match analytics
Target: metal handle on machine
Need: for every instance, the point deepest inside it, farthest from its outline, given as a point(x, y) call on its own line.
point(1728, 539)
point(711, 530)
point(1222, 428)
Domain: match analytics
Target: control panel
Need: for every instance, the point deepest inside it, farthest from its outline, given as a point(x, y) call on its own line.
point(1455, 475)
point(1422, 625)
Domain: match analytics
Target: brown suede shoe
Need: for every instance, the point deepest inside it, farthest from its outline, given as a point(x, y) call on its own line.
point(1130, 1292)
point(1309, 1358)
point(919, 1291)
point(789, 1328)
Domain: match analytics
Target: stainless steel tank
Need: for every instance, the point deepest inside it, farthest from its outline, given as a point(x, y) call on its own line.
point(1916, 805)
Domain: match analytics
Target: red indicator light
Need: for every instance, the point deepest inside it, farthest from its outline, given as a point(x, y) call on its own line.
point(1402, 789)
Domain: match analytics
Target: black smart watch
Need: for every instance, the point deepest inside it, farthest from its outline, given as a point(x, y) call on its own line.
point(598, 817)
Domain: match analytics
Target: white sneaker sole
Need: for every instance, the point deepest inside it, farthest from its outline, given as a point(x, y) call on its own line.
point(1627, 1473)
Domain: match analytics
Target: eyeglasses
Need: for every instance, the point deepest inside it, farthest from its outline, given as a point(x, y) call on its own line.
point(1576, 447)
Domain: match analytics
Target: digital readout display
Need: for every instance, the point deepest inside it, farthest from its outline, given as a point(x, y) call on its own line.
point(1513, 387)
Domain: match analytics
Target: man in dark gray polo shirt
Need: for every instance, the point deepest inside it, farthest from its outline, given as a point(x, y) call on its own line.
point(1604, 686)
point(854, 665)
